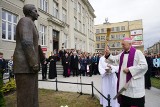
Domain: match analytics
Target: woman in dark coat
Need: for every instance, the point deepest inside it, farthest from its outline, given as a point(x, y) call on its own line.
point(83, 64)
point(52, 66)
point(89, 63)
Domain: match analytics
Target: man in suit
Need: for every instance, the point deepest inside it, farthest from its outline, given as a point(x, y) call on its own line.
point(26, 58)
point(2, 69)
point(62, 53)
point(74, 64)
point(2, 65)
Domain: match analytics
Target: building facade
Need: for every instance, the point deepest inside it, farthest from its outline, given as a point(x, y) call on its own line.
point(154, 49)
point(112, 34)
point(62, 23)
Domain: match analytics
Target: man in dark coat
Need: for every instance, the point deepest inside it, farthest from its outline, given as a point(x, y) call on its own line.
point(62, 53)
point(26, 58)
point(74, 64)
point(148, 73)
point(2, 69)
point(66, 65)
point(2, 65)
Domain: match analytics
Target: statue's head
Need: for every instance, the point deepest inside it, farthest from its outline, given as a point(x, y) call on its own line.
point(29, 10)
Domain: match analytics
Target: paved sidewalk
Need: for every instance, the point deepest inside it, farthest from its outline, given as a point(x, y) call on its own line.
point(152, 96)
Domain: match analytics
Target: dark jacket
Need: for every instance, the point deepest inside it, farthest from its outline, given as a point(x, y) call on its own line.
point(83, 64)
point(2, 64)
point(74, 62)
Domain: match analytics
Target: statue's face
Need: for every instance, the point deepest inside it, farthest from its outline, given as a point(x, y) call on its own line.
point(34, 14)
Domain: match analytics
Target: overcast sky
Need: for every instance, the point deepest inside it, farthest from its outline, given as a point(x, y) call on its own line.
point(128, 10)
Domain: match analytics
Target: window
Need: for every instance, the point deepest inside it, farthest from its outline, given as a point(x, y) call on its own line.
point(122, 28)
point(80, 44)
point(103, 38)
point(112, 37)
point(88, 33)
point(65, 41)
point(44, 5)
point(84, 28)
point(90, 23)
point(84, 46)
point(97, 31)
point(9, 22)
point(112, 44)
point(75, 39)
point(98, 38)
point(79, 8)
point(112, 29)
point(102, 45)
point(118, 37)
point(117, 29)
point(75, 4)
point(122, 36)
point(102, 30)
point(105, 30)
point(98, 45)
point(64, 15)
point(55, 35)
point(64, 3)
point(75, 22)
point(80, 27)
point(55, 9)
point(118, 44)
point(84, 20)
point(42, 34)
point(83, 12)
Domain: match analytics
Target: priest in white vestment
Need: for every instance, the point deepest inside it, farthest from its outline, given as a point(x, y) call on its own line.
point(132, 68)
point(108, 82)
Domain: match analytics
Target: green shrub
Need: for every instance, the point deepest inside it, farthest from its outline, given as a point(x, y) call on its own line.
point(9, 86)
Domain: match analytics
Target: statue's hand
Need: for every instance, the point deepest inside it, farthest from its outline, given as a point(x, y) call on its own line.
point(35, 68)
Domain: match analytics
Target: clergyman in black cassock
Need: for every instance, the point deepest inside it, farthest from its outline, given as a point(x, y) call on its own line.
point(44, 68)
point(52, 66)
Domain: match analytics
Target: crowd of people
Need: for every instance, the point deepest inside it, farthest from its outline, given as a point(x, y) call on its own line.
point(153, 62)
point(111, 68)
point(6, 66)
point(74, 63)
point(79, 63)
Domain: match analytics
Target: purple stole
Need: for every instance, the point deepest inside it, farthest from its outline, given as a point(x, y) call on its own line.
point(129, 64)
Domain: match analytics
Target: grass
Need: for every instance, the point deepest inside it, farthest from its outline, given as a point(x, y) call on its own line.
point(50, 98)
point(155, 82)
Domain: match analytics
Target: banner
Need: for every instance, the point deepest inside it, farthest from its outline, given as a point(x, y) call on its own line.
point(156, 62)
point(137, 37)
point(137, 43)
point(136, 32)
